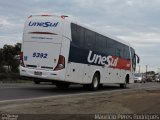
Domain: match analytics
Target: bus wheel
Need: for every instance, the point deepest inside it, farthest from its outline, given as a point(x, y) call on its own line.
point(124, 85)
point(95, 82)
point(36, 81)
point(62, 85)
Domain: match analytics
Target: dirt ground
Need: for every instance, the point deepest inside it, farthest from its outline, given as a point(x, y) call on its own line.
point(79, 106)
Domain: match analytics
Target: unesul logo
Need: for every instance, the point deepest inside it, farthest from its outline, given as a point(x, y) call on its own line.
point(43, 24)
point(108, 61)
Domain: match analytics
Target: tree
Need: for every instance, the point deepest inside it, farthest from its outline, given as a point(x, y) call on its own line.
point(7, 56)
point(1, 56)
point(150, 72)
point(9, 53)
point(17, 48)
point(1, 61)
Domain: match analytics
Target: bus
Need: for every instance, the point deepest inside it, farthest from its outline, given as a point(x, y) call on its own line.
point(63, 52)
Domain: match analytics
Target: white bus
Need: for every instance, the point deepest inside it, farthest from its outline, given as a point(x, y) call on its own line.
point(64, 52)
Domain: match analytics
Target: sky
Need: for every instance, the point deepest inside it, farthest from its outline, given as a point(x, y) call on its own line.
point(135, 21)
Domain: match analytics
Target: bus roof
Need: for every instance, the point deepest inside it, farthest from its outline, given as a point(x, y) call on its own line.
point(100, 32)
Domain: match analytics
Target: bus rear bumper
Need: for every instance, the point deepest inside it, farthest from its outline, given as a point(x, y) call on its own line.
point(43, 74)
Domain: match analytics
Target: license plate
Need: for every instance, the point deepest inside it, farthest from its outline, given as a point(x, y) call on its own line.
point(38, 73)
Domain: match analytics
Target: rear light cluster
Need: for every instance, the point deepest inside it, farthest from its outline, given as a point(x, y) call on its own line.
point(30, 16)
point(21, 60)
point(63, 16)
point(61, 63)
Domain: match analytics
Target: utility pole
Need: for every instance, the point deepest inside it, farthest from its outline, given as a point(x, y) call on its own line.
point(158, 70)
point(146, 71)
point(139, 69)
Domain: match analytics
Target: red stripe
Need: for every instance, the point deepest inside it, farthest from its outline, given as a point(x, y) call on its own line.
point(122, 64)
point(48, 33)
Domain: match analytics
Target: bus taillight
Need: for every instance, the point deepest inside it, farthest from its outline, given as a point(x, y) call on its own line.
point(61, 63)
point(21, 59)
point(63, 16)
point(30, 16)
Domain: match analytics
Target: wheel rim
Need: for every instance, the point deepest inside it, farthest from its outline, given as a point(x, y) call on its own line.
point(95, 82)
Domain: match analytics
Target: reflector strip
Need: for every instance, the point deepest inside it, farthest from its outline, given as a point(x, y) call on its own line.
point(48, 33)
point(32, 66)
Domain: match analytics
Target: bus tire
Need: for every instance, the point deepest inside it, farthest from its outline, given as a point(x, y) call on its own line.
point(124, 85)
point(36, 81)
point(95, 82)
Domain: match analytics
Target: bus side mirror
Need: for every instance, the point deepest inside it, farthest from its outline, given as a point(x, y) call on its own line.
point(138, 59)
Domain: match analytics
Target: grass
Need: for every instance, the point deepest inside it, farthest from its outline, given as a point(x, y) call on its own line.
point(12, 78)
point(15, 81)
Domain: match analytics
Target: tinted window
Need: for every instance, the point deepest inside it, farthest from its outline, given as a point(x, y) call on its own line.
point(89, 39)
point(118, 49)
point(132, 52)
point(138, 75)
point(111, 47)
point(101, 43)
point(118, 52)
point(84, 38)
point(77, 35)
point(126, 52)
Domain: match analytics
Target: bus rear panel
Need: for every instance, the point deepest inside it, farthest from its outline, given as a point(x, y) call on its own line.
point(41, 54)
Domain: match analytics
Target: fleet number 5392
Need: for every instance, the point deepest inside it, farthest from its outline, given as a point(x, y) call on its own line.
point(39, 55)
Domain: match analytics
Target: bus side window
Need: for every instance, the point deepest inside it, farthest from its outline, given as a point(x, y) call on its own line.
point(118, 52)
point(77, 35)
point(100, 44)
point(74, 32)
point(111, 48)
point(126, 53)
point(90, 39)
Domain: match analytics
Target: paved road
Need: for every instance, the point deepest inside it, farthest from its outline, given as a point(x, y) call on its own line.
point(30, 90)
